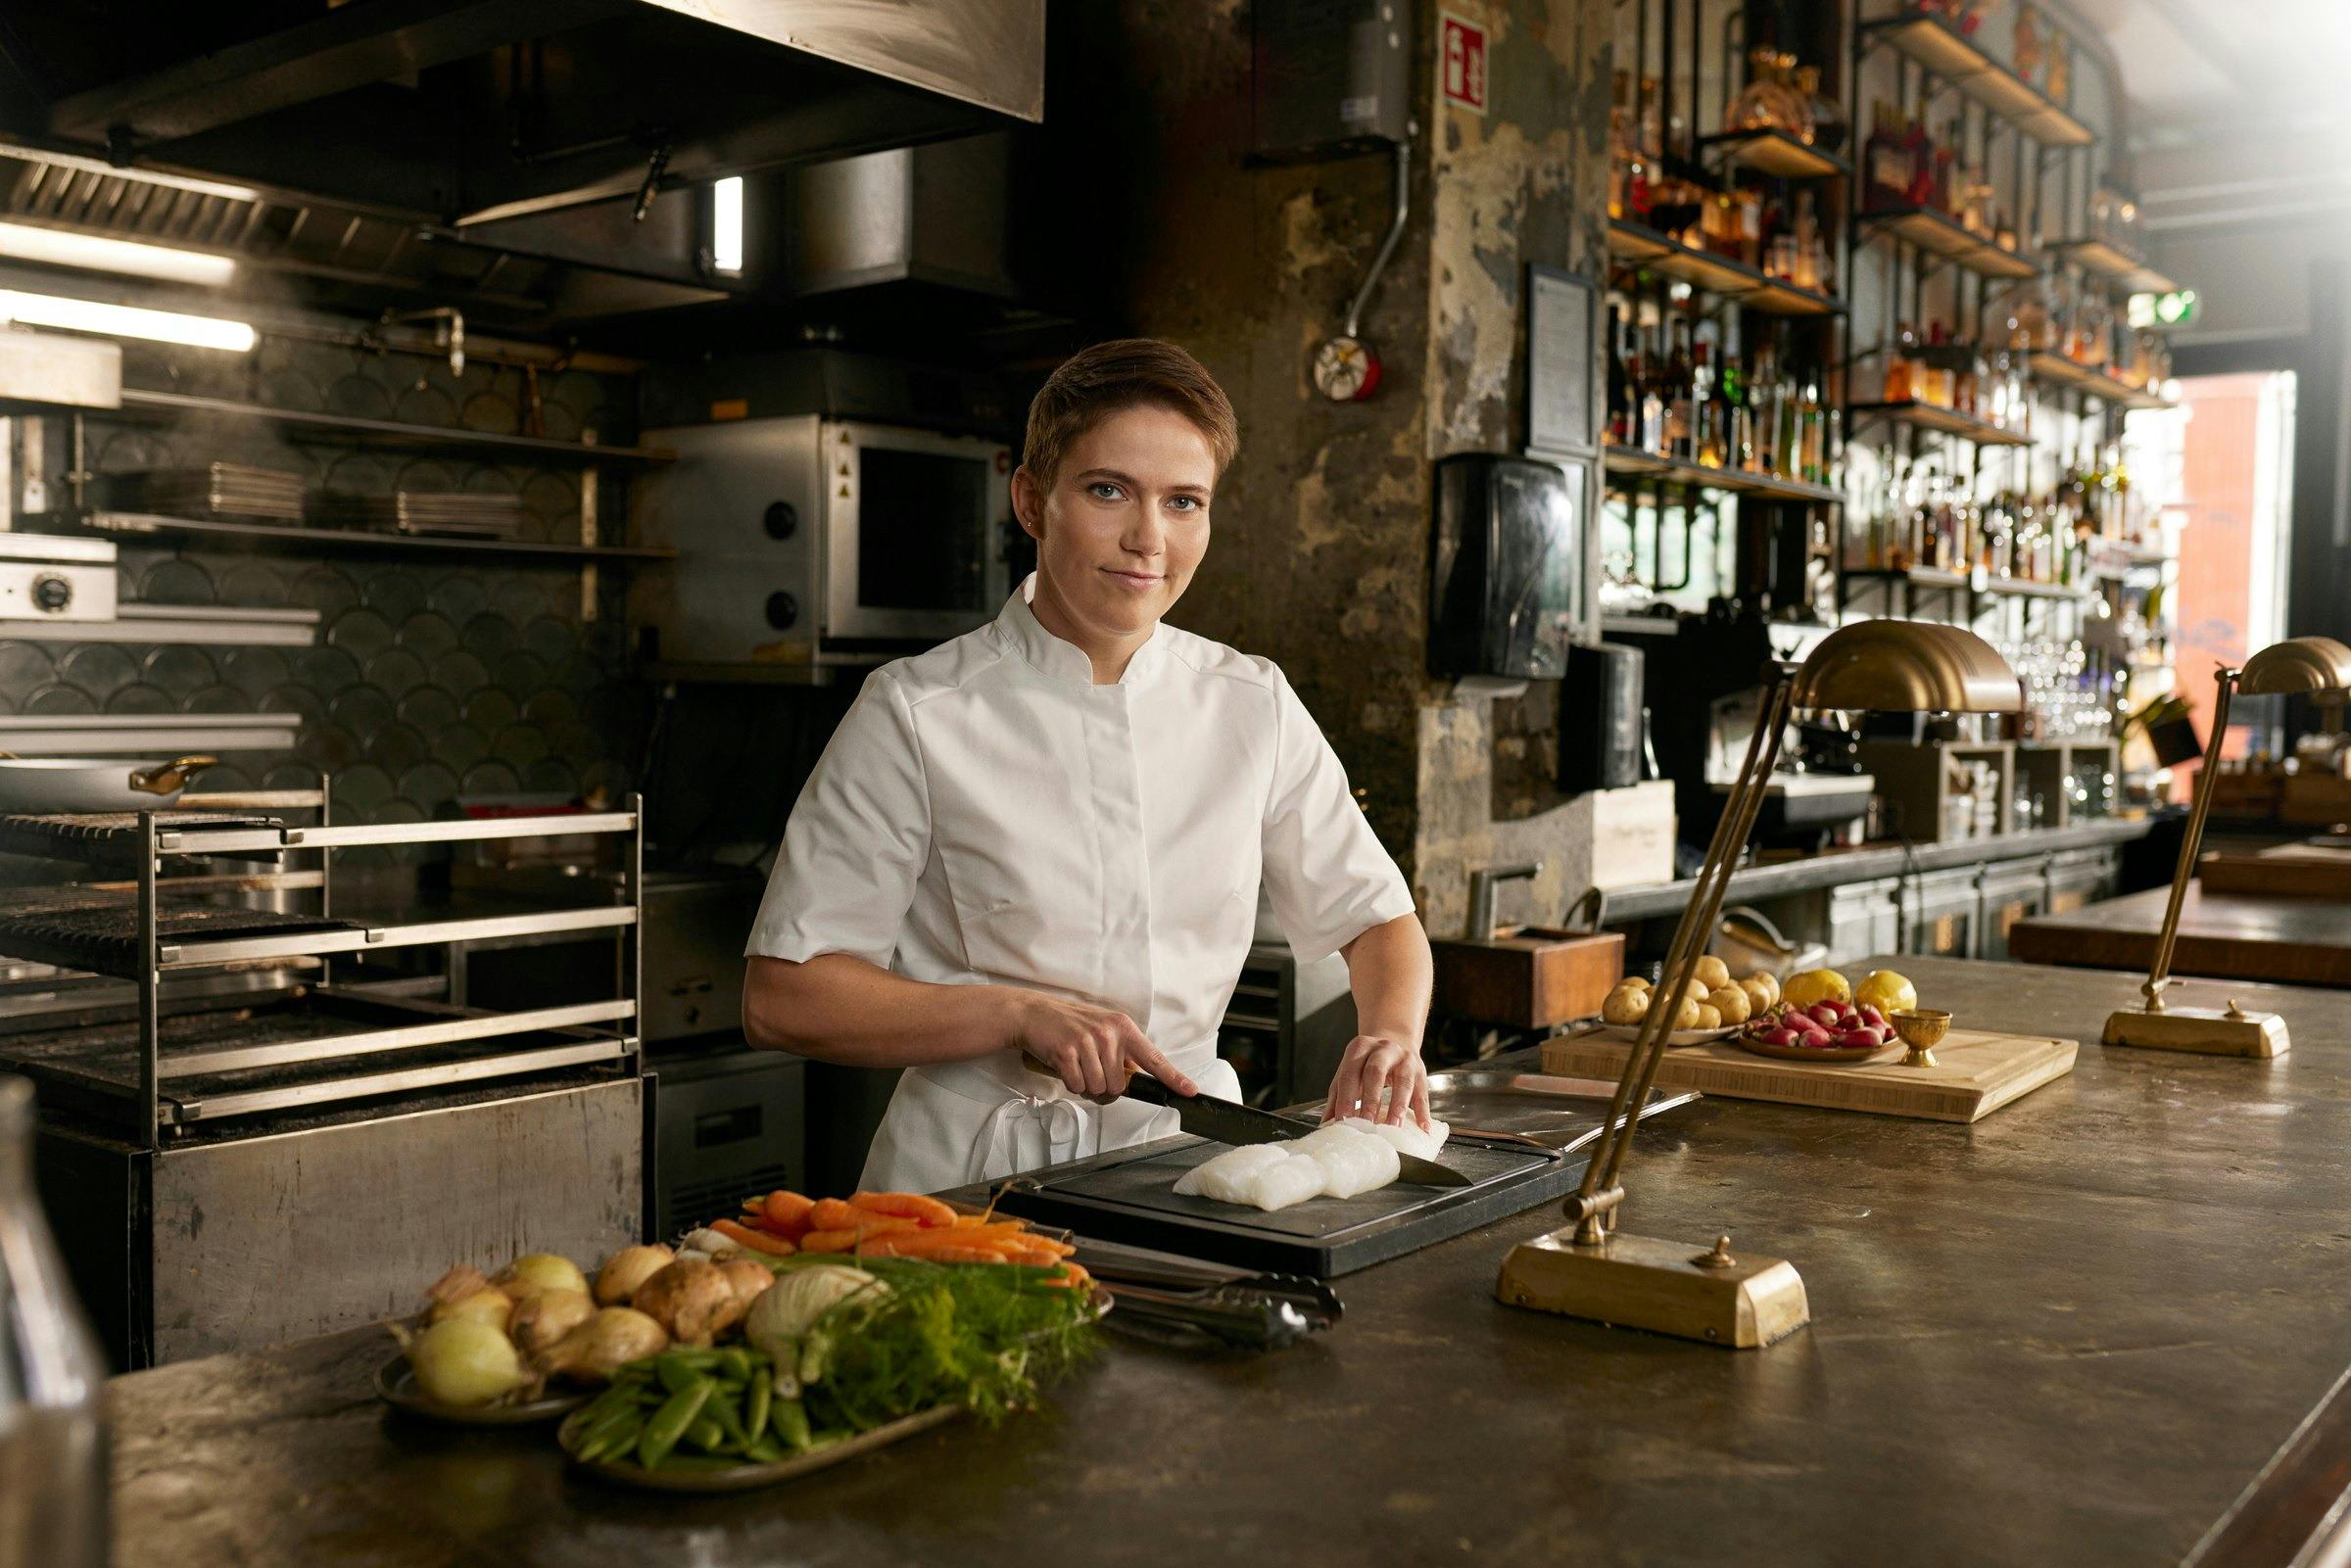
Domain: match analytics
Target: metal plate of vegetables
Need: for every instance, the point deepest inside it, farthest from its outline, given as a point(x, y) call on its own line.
point(840, 1357)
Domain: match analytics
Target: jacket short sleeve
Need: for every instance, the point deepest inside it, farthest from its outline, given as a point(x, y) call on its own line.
point(1326, 872)
point(858, 838)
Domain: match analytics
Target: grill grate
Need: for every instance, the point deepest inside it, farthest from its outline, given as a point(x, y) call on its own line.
point(79, 928)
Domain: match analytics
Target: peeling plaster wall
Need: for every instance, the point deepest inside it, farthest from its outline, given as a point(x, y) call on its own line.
point(1318, 558)
point(1524, 182)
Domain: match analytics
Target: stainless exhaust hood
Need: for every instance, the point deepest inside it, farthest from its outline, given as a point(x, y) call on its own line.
point(464, 113)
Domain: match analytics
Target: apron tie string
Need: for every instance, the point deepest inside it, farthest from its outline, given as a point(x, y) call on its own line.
point(1026, 1132)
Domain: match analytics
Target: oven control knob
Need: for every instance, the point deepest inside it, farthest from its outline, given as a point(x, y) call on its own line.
point(52, 594)
point(783, 519)
point(782, 610)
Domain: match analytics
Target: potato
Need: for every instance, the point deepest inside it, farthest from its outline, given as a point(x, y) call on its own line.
point(1734, 1004)
point(1688, 1016)
point(1698, 990)
point(1636, 981)
point(1713, 973)
point(1708, 1017)
point(1625, 1005)
point(1770, 983)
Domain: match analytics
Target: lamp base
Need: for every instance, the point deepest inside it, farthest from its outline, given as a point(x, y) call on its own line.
point(2213, 1031)
point(1667, 1287)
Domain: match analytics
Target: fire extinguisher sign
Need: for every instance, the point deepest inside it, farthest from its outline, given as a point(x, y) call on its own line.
point(1462, 61)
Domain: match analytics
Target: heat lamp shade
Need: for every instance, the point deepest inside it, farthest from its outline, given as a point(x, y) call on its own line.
point(1907, 667)
point(2298, 664)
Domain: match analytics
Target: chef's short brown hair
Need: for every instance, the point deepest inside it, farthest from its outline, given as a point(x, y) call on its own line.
point(1095, 383)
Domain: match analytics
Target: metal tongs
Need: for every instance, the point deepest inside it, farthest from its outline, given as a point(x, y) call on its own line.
point(1256, 1313)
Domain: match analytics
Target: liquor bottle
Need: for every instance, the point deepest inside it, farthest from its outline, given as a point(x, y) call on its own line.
point(1901, 376)
point(1738, 431)
point(1677, 400)
point(1942, 185)
point(1889, 184)
point(1918, 158)
point(1621, 383)
point(1812, 451)
point(1649, 396)
point(1705, 414)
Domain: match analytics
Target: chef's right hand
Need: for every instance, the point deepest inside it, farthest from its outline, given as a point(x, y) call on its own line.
point(1091, 1048)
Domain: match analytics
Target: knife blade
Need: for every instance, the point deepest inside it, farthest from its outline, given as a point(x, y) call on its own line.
point(1206, 1115)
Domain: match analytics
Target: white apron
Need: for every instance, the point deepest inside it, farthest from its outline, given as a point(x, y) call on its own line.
point(986, 814)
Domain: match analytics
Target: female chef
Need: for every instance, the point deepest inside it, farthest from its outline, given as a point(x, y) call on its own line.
point(1047, 835)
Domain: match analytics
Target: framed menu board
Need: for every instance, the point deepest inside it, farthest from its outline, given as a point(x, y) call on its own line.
point(1562, 368)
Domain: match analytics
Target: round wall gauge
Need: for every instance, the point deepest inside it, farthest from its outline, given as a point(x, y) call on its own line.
point(1346, 370)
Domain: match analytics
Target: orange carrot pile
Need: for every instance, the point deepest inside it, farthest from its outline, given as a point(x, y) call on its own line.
point(895, 1225)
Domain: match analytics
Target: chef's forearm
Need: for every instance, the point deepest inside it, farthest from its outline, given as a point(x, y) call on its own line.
point(1391, 973)
point(841, 1008)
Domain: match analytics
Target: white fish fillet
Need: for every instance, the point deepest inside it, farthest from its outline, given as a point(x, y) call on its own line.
point(1409, 1140)
point(1289, 1180)
point(1231, 1176)
point(1356, 1161)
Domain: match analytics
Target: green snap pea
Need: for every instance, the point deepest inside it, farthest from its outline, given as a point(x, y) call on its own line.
point(735, 1361)
point(723, 1411)
point(705, 1434)
point(678, 1377)
point(767, 1451)
point(755, 1402)
point(669, 1423)
point(790, 1422)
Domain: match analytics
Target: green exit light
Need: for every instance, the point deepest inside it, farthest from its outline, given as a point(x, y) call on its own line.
point(2173, 310)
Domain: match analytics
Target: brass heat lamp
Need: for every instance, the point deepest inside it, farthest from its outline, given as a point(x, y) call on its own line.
point(1591, 1269)
point(2310, 666)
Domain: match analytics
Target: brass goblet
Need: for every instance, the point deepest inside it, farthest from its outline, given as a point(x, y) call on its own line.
point(1921, 1028)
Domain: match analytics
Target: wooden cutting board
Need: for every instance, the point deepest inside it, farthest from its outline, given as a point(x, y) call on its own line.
point(1976, 1073)
point(2295, 871)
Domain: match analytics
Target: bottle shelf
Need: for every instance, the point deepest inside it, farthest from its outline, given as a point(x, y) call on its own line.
point(1716, 275)
point(2113, 263)
point(1938, 234)
point(298, 424)
point(1631, 462)
point(1948, 53)
point(1774, 152)
point(2057, 370)
point(1977, 583)
point(1935, 418)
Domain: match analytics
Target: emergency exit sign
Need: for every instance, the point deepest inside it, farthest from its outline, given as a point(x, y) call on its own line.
point(1461, 61)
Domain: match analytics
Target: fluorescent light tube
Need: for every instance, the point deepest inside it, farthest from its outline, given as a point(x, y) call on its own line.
point(726, 224)
point(63, 247)
point(124, 322)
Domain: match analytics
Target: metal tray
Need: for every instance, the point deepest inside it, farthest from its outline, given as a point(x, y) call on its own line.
point(1554, 1111)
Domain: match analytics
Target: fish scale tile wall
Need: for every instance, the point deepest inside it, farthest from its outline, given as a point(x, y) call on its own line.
point(432, 677)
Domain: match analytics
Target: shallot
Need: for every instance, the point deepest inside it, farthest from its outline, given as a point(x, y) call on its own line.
point(611, 1339)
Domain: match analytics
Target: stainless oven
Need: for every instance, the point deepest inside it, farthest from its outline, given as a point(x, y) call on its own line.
point(807, 540)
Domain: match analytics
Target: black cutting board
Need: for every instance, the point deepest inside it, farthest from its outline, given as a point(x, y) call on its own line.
point(1128, 1197)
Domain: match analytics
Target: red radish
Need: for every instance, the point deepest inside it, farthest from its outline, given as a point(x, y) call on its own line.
point(1781, 1037)
point(1856, 1040)
point(1825, 1013)
point(1872, 1016)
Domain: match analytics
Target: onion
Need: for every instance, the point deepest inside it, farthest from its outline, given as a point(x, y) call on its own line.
point(626, 1269)
point(488, 1304)
point(466, 1361)
point(534, 1273)
point(592, 1352)
point(546, 1317)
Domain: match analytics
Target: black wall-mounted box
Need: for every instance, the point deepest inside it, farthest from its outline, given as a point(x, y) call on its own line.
point(1507, 578)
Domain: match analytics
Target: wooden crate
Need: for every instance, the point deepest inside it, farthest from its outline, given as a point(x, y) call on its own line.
point(1532, 977)
point(1976, 1074)
point(1915, 782)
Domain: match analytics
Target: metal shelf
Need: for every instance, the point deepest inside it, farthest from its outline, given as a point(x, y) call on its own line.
point(1935, 417)
point(362, 542)
point(1775, 153)
point(1716, 275)
point(210, 625)
point(299, 424)
point(2112, 262)
point(1938, 234)
point(2058, 370)
point(1977, 583)
point(1944, 52)
point(1632, 463)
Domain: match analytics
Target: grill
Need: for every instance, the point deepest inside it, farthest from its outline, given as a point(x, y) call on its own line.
point(82, 929)
point(104, 837)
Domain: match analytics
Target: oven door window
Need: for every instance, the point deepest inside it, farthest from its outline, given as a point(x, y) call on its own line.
point(922, 531)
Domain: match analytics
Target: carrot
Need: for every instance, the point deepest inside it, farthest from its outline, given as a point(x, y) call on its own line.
point(831, 1214)
point(759, 1241)
point(1072, 1277)
point(829, 1241)
point(930, 1243)
point(787, 1211)
point(905, 1206)
point(1030, 1250)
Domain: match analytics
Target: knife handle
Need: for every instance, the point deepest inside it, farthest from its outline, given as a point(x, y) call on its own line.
point(1139, 1085)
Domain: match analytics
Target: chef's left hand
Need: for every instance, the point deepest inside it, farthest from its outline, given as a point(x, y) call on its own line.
point(1376, 1061)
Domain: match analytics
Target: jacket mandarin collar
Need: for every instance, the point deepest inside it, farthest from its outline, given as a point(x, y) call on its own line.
point(1064, 660)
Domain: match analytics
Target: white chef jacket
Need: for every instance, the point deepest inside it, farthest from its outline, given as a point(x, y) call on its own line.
point(987, 814)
